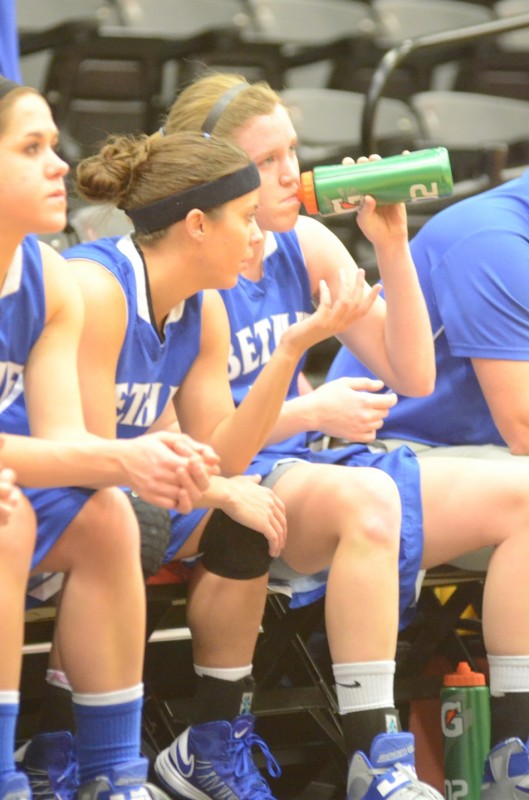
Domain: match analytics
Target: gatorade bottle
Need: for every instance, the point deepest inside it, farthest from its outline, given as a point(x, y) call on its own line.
point(465, 721)
point(339, 188)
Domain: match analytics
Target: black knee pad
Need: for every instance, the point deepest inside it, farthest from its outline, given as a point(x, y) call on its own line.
point(232, 550)
point(155, 533)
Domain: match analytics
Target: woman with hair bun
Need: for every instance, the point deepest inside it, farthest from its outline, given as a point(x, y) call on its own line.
point(67, 518)
point(154, 356)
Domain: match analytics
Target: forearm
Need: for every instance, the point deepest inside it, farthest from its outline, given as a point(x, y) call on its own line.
point(251, 424)
point(297, 415)
point(500, 381)
point(42, 463)
point(217, 494)
point(408, 338)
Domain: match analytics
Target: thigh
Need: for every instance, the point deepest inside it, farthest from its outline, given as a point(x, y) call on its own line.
point(86, 530)
point(17, 538)
point(321, 498)
point(55, 509)
point(470, 503)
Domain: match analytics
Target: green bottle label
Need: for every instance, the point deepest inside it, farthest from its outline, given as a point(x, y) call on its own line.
point(465, 722)
point(421, 175)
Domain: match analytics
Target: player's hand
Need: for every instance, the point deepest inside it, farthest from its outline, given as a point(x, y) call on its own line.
point(332, 318)
point(165, 469)
point(258, 508)
point(352, 408)
point(380, 224)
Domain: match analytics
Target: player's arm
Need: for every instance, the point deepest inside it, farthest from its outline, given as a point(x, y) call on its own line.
point(504, 386)
point(394, 338)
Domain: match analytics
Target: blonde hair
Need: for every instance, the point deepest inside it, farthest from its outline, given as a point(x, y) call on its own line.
point(194, 103)
point(134, 171)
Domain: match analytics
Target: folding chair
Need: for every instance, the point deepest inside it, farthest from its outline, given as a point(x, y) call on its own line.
point(202, 33)
point(406, 19)
point(310, 40)
point(45, 25)
point(447, 623)
point(482, 132)
point(500, 65)
point(120, 71)
point(399, 20)
point(327, 122)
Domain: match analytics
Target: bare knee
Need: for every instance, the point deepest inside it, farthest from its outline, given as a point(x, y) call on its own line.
point(17, 538)
point(373, 511)
point(105, 532)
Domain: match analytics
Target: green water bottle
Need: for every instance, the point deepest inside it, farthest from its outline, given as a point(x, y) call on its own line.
point(465, 721)
point(409, 178)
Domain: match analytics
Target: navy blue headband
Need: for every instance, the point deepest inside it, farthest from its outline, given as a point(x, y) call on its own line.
point(165, 212)
point(219, 107)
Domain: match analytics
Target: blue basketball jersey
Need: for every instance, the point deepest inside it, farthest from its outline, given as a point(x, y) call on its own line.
point(22, 319)
point(259, 312)
point(9, 50)
point(150, 367)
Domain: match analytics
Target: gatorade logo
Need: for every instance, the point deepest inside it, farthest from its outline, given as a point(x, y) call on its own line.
point(342, 205)
point(451, 719)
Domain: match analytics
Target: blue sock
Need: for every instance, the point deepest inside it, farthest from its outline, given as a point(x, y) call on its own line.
point(8, 723)
point(107, 735)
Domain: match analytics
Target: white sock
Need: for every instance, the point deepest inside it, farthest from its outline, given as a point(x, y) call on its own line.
point(10, 697)
point(508, 674)
point(224, 674)
point(109, 698)
point(364, 685)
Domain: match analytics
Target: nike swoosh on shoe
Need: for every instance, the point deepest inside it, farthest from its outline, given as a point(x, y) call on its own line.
point(185, 764)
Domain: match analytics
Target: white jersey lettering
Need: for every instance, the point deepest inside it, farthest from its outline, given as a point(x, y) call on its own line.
point(139, 403)
point(257, 343)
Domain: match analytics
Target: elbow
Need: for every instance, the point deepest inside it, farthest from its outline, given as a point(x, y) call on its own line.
point(417, 377)
point(516, 437)
point(425, 387)
point(519, 446)
point(417, 385)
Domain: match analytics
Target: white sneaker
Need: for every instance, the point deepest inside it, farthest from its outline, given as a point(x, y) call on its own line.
point(506, 775)
point(389, 772)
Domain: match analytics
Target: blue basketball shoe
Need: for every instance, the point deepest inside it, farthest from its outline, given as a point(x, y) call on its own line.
point(213, 761)
point(50, 764)
point(389, 772)
point(506, 774)
point(126, 782)
point(15, 787)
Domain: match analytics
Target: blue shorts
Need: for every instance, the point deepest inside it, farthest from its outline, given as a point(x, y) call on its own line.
point(402, 466)
point(55, 509)
point(182, 526)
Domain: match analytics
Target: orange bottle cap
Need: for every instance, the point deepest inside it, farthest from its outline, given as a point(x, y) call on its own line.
point(464, 676)
point(306, 193)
